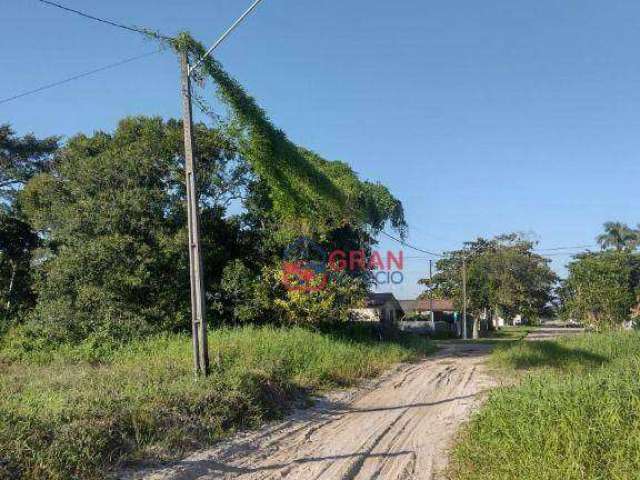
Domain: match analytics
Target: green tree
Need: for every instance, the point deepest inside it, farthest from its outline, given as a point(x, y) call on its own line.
point(601, 289)
point(17, 243)
point(619, 236)
point(111, 210)
point(504, 276)
point(20, 159)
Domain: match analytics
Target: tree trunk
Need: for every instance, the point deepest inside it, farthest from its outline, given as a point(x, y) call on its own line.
point(11, 282)
point(490, 326)
point(476, 327)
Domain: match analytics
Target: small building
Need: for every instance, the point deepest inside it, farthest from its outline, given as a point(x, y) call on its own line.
point(418, 316)
point(379, 307)
point(443, 308)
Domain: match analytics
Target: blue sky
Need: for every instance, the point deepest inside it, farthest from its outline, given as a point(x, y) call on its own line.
point(482, 117)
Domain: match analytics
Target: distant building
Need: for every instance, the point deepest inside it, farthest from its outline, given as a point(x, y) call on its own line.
point(379, 307)
point(443, 308)
point(417, 316)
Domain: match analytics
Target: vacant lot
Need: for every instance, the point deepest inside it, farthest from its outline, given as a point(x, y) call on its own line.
point(73, 412)
point(574, 414)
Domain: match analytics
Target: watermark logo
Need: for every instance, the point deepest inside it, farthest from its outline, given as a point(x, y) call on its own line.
point(307, 266)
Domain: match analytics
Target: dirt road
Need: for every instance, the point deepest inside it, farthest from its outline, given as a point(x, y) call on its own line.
point(399, 427)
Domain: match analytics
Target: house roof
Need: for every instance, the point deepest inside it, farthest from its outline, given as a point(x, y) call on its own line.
point(439, 305)
point(379, 299)
point(410, 305)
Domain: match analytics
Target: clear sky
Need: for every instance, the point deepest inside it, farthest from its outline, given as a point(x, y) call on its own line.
point(482, 117)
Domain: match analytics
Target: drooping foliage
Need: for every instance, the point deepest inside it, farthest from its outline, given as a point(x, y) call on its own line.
point(309, 193)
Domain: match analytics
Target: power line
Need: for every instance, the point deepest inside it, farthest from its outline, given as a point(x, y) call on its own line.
point(405, 244)
point(225, 34)
point(575, 247)
point(81, 75)
point(106, 21)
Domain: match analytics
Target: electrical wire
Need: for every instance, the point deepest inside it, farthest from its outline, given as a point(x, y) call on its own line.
point(405, 244)
point(575, 247)
point(224, 35)
point(106, 21)
point(81, 75)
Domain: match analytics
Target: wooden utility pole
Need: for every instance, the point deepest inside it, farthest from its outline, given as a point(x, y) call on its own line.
point(464, 298)
point(433, 319)
point(198, 305)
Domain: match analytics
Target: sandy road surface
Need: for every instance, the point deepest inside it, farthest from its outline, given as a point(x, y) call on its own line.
point(396, 428)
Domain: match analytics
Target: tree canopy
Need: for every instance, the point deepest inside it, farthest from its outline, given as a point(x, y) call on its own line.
point(20, 159)
point(619, 236)
point(504, 275)
point(602, 289)
point(111, 209)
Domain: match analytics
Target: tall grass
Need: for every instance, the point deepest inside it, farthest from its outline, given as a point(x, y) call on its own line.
point(576, 415)
point(74, 412)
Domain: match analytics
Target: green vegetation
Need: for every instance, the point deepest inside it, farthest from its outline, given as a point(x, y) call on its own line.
point(619, 236)
point(603, 289)
point(576, 415)
point(505, 277)
point(95, 361)
point(71, 412)
point(308, 193)
point(93, 239)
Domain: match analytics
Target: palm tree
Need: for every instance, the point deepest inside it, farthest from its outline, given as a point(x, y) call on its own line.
point(620, 236)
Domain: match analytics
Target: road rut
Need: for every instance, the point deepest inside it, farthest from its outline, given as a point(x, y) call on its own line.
point(399, 427)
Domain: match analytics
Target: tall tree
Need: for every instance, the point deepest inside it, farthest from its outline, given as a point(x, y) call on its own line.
point(602, 288)
point(619, 236)
point(504, 276)
point(20, 159)
point(111, 209)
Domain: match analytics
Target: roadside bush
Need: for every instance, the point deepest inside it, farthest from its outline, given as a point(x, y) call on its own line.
point(602, 288)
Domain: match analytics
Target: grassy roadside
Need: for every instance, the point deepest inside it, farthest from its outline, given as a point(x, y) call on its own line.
point(74, 412)
point(575, 414)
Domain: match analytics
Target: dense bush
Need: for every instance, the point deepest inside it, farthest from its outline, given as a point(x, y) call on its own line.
point(602, 288)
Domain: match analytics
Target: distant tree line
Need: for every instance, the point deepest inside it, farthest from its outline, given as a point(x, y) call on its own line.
point(506, 277)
